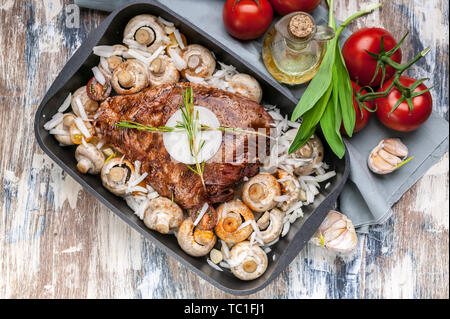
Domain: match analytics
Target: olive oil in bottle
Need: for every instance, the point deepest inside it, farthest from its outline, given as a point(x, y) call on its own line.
point(294, 48)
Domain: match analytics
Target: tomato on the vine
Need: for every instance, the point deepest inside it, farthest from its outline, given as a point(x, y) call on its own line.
point(361, 66)
point(362, 113)
point(284, 7)
point(404, 117)
point(247, 19)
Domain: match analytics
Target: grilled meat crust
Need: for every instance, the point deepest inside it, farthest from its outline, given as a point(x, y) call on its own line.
point(153, 107)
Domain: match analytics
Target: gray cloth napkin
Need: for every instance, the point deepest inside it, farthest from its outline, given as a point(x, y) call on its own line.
point(367, 198)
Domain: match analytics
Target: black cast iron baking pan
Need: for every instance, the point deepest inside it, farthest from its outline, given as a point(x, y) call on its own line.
point(77, 72)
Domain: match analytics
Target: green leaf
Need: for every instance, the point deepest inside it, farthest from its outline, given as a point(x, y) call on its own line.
point(319, 84)
point(310, 121)
point(328, 125)
point(345, 90)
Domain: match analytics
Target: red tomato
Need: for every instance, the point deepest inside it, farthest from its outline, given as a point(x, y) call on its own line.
point(284, 7)
point(402, 119)
point(96, 91)
point(361, 66)
point(361, 121)
point(246, 19)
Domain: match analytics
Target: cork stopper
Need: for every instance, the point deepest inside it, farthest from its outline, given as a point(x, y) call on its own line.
point(301, 25)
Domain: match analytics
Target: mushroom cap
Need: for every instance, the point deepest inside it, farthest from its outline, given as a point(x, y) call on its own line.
point(116, 175)
point(313, 150)
point(65, 126)
point(163, 71)
point(275, 226)
point(90, 106)
point(252, 261)
point(130, 77)
point(247, 86)
point(385, 157)
point(198, 245)
point(144, 32)
point(90, 159)
point(259, 192)
point(231, 214)
point(161, 214)
point(200, 61)
point(289, 186)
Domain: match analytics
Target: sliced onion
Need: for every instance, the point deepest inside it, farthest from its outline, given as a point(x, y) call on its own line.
point(244, 224)
point(200, 215)
point(156, 54)
point(82, 127)
point(58, 132)
point(194, 79)
point(213, 265)
point(65, 105)
point(105, 51)
point(100, 144)
point(56, 119)
point(105, 65)
point(179, 39)
point(165, 22)
point(81, 109)
point(179, 62)
point(99, 75)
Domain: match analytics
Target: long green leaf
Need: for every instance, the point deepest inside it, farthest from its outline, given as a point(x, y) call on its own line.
point(310, 121)
point(319, 84)
point(327, 123)
point(345, 93)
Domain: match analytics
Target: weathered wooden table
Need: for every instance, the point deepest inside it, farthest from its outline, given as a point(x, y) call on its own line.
point(56, 241)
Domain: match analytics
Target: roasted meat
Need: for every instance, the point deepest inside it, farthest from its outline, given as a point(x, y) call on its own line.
point(153, 107)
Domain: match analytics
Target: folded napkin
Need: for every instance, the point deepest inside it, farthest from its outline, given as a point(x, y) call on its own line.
point(367, 198)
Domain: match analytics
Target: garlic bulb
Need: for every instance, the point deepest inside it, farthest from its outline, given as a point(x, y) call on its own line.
point(336, 233)
point(387, 156)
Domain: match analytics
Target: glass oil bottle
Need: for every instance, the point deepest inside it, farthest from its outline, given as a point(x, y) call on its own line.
point(294, 48)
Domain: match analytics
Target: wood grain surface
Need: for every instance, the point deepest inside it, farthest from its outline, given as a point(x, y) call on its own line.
point(57, 241)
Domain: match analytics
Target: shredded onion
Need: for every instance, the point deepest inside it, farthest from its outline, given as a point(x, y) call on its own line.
point(65, 105)
point(213, 265)
point(82, 127)
point(105, 51)
point(58, 132)
point(165, 22)
point(179, 62)
point(244, 224)
point(56, 119)
point(200, 215)
point(178, 38)
point(98, 75)
point(81, 109)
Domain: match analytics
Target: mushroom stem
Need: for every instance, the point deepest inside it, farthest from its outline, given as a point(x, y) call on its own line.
point(249, 266)
point(143, 36)
point(256, 191)
point(193, 61)
point(84, 165)
point(125, 78)
point(162, 223)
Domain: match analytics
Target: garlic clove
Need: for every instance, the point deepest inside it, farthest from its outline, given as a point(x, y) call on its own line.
point(387, 155)
point(336, 233)
point(395, 147)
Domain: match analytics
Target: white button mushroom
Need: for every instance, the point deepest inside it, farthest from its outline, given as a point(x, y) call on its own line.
point(162, 215)
point(109, 64)
point(144, 32)
point(247, 262)
point(163, 71)
point(90, 159)
point(290, 188)
point(130, 77)
point(65, 126)
point(387, 155)
point(116, 175)
point(312, 154)
point(193, 241)
point(272, 223)
point(247, 86)
point(231, 214)
point(260, 191)
point(81, 99)
point(199, 60)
